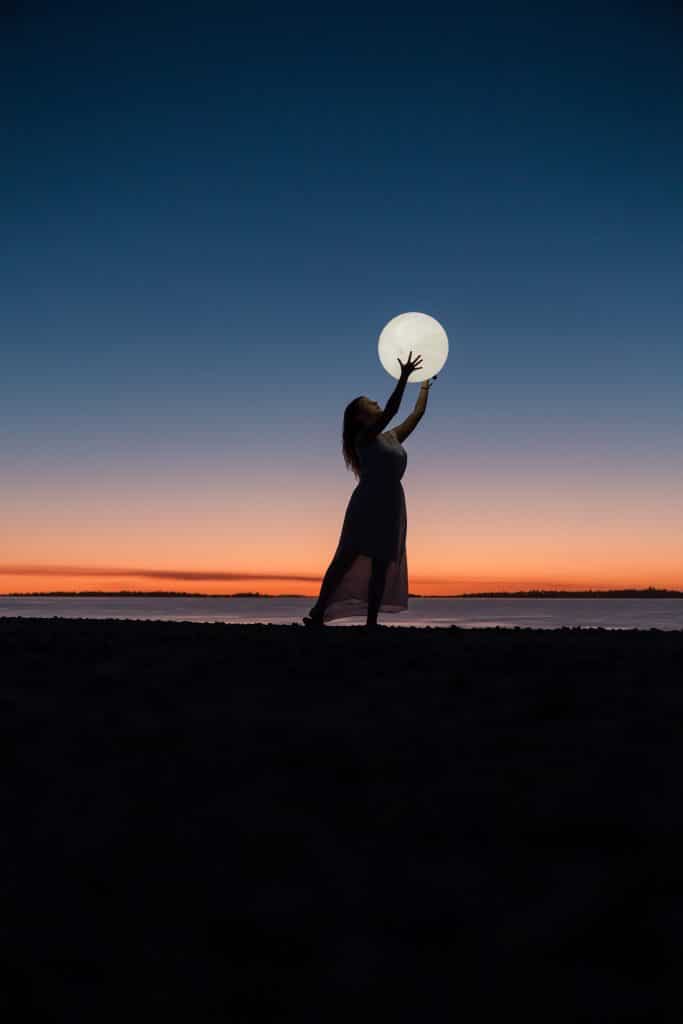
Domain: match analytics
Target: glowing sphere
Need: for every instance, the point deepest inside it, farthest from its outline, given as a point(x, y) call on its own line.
point(416, 332)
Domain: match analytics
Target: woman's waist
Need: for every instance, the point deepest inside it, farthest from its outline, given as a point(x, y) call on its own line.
point(380, 483)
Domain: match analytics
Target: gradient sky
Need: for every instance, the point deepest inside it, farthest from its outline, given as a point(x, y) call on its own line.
point(208, 219)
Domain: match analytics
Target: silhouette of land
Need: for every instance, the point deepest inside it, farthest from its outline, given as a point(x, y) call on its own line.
point(632, 592)
point(270, 823)
point(137, 593)
point(648, 592)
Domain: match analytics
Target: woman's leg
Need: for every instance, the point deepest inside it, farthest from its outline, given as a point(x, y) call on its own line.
point(376, 589)
point(336, 569)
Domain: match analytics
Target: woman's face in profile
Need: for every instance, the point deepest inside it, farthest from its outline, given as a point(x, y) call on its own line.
point(370, 409)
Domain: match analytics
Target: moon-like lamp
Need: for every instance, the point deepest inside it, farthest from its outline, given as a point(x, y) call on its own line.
point(416, 332)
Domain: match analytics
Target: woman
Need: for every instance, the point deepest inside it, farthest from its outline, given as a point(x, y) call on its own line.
point(369, 570)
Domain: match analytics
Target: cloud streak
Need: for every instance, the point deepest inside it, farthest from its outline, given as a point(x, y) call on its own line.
point(212, 576)
point(151, 574)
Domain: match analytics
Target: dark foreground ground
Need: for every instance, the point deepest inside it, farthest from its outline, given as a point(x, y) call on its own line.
point(246, 823)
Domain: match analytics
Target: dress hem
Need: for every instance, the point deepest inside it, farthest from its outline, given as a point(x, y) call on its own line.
point(350, 608)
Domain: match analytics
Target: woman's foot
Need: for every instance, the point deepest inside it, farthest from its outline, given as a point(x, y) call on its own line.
point(314, 618)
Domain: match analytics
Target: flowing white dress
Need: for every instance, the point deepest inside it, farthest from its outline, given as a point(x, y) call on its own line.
point(375, 526)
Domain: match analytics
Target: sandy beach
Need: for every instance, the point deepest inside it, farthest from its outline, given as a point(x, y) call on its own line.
point(264, 823)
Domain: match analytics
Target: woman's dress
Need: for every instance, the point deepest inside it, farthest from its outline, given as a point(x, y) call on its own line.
point(374, 526)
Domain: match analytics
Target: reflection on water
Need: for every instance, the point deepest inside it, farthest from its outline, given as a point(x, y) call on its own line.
point(471, 612)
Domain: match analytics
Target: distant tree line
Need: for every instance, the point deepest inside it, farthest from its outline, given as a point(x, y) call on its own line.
point(137, 593)
point(648, 592)
point(631, 592)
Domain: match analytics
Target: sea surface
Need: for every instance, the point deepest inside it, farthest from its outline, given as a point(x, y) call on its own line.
point(479, 612)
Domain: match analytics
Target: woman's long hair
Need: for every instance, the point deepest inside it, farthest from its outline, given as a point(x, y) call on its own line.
point(351, 425)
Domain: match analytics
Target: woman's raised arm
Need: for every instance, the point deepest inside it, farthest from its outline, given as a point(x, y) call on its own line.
point(391, 408)
point(403, 430)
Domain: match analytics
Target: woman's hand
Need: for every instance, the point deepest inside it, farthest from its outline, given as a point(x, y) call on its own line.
point(409, 365)
point(426, 384)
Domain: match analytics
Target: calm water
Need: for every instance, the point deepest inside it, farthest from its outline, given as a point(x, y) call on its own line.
point(539, 613)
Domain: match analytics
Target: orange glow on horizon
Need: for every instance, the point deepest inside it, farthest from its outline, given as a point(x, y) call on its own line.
point(481, 531)
point(49, 578)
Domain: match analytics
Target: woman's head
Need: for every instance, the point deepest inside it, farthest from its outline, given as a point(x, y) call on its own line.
point(358, 414)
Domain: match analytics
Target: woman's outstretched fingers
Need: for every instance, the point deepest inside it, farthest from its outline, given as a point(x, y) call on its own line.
point(410, 364)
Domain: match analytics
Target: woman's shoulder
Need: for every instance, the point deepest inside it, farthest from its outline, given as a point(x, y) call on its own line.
point(361, 439)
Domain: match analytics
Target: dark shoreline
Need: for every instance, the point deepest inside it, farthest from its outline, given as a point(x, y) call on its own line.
point(259, 822)
point(651, 593)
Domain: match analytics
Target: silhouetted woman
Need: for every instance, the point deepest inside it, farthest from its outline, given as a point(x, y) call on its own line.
point(369, 570)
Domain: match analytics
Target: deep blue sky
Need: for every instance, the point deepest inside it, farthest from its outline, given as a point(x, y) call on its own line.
point(207, 220)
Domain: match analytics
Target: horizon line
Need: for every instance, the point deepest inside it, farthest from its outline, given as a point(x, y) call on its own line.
point(181, 593)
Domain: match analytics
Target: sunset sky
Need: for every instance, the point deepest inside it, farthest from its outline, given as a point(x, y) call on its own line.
point(207, 220)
